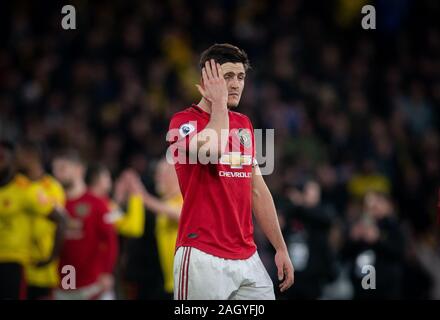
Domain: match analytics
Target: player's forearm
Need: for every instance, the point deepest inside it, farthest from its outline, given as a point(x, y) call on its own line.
point(131, 224)
point(61, 223)
point(210, 138)
point(266, 216)
point(159, 207)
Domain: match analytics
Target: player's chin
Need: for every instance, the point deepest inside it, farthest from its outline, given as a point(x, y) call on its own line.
point(233, 102)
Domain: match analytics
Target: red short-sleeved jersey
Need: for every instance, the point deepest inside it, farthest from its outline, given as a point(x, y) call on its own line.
point(90, 243)
point(217, 209)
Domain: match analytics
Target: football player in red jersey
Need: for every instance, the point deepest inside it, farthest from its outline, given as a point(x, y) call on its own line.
point(99, 182)
point(216, 256)
point(90, 245)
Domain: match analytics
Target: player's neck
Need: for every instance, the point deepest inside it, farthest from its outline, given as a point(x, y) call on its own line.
point(76, 190)
point(36, 173)
point(97, 191)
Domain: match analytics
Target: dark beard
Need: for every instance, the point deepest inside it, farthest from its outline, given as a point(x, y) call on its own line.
point(66, 184)
point(23, 171)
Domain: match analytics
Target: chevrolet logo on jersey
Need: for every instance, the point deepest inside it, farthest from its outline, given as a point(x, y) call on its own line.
point(236, 160)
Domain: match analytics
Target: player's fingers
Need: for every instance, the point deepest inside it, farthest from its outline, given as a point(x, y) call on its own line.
point(288, 279)
point(280, 272)
point(204, 76)
point(283, 286)
point(208, 70)
point(214, 69)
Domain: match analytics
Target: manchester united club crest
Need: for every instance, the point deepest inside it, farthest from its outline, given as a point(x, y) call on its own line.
point(82, 210)
point(245, 137)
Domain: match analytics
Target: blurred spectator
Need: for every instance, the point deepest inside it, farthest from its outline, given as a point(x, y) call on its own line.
point(47, 236)
point(90, 244)
point(307, 230)
point(167, 208)
point(376, 239)
point(368, 179)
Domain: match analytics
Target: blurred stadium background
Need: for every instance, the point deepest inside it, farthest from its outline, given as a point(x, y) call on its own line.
point(353, 110)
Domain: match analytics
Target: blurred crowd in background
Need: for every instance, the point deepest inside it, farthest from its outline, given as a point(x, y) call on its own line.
point(356, 117)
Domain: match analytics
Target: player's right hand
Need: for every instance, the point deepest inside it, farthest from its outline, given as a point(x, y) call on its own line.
point(213, 87)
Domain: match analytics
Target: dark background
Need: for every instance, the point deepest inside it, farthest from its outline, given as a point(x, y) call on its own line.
point(349, 106)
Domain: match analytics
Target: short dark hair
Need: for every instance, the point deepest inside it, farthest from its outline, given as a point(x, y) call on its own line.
point(225, 52)
point(93, 172)
point(71, 155)
point(34, 147)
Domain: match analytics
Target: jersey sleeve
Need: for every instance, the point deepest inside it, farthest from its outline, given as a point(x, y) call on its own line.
point(183, 127)
point(131, 224)
point(38, 201)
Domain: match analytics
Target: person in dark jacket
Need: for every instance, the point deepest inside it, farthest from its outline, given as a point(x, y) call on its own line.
point(307, 226)
point(375, 250)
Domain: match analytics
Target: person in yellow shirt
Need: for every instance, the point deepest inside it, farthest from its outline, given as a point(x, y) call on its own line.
point(168, 209)
point(42, 277)
point(367, 180)
point(20, 200)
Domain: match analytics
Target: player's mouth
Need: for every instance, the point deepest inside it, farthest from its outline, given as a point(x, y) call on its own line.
point(233, 95)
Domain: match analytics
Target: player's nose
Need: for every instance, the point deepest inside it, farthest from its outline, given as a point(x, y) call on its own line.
point(233, 85)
